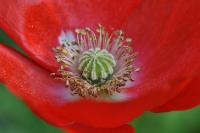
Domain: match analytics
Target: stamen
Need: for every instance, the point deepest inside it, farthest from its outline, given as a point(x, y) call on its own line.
point(96, 63)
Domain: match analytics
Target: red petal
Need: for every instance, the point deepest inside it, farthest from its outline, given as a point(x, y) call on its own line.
point(82, 129)
point(30, 23)
point(166, 35)
point(32, 84)
point(188, 98)
point(50, 100)
point(36, 25)
point(165, 60)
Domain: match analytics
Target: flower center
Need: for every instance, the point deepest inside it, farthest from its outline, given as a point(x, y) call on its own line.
point(94, 63)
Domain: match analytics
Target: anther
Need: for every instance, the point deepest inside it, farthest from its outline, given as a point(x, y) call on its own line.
point(96, 62)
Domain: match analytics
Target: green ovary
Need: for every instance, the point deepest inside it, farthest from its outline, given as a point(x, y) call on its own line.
point(96, 65)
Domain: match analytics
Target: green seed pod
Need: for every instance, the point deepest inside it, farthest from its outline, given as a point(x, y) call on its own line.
point(96, 65)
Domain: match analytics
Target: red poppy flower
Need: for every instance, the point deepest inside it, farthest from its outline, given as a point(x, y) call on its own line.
point(165, 33)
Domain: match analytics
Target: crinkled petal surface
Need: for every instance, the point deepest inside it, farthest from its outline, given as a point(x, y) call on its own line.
point(165, 33)
point(36, 24)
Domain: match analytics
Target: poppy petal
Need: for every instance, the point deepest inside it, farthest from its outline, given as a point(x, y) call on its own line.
point(83, 129)
point(165, 63)
point(31, 83)
point(30, 31)
point(53, 102)
point(187, 99)
point(165, 34)
point(36, 25)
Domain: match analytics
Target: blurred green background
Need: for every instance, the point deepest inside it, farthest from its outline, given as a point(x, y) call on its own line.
point(15, 117)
